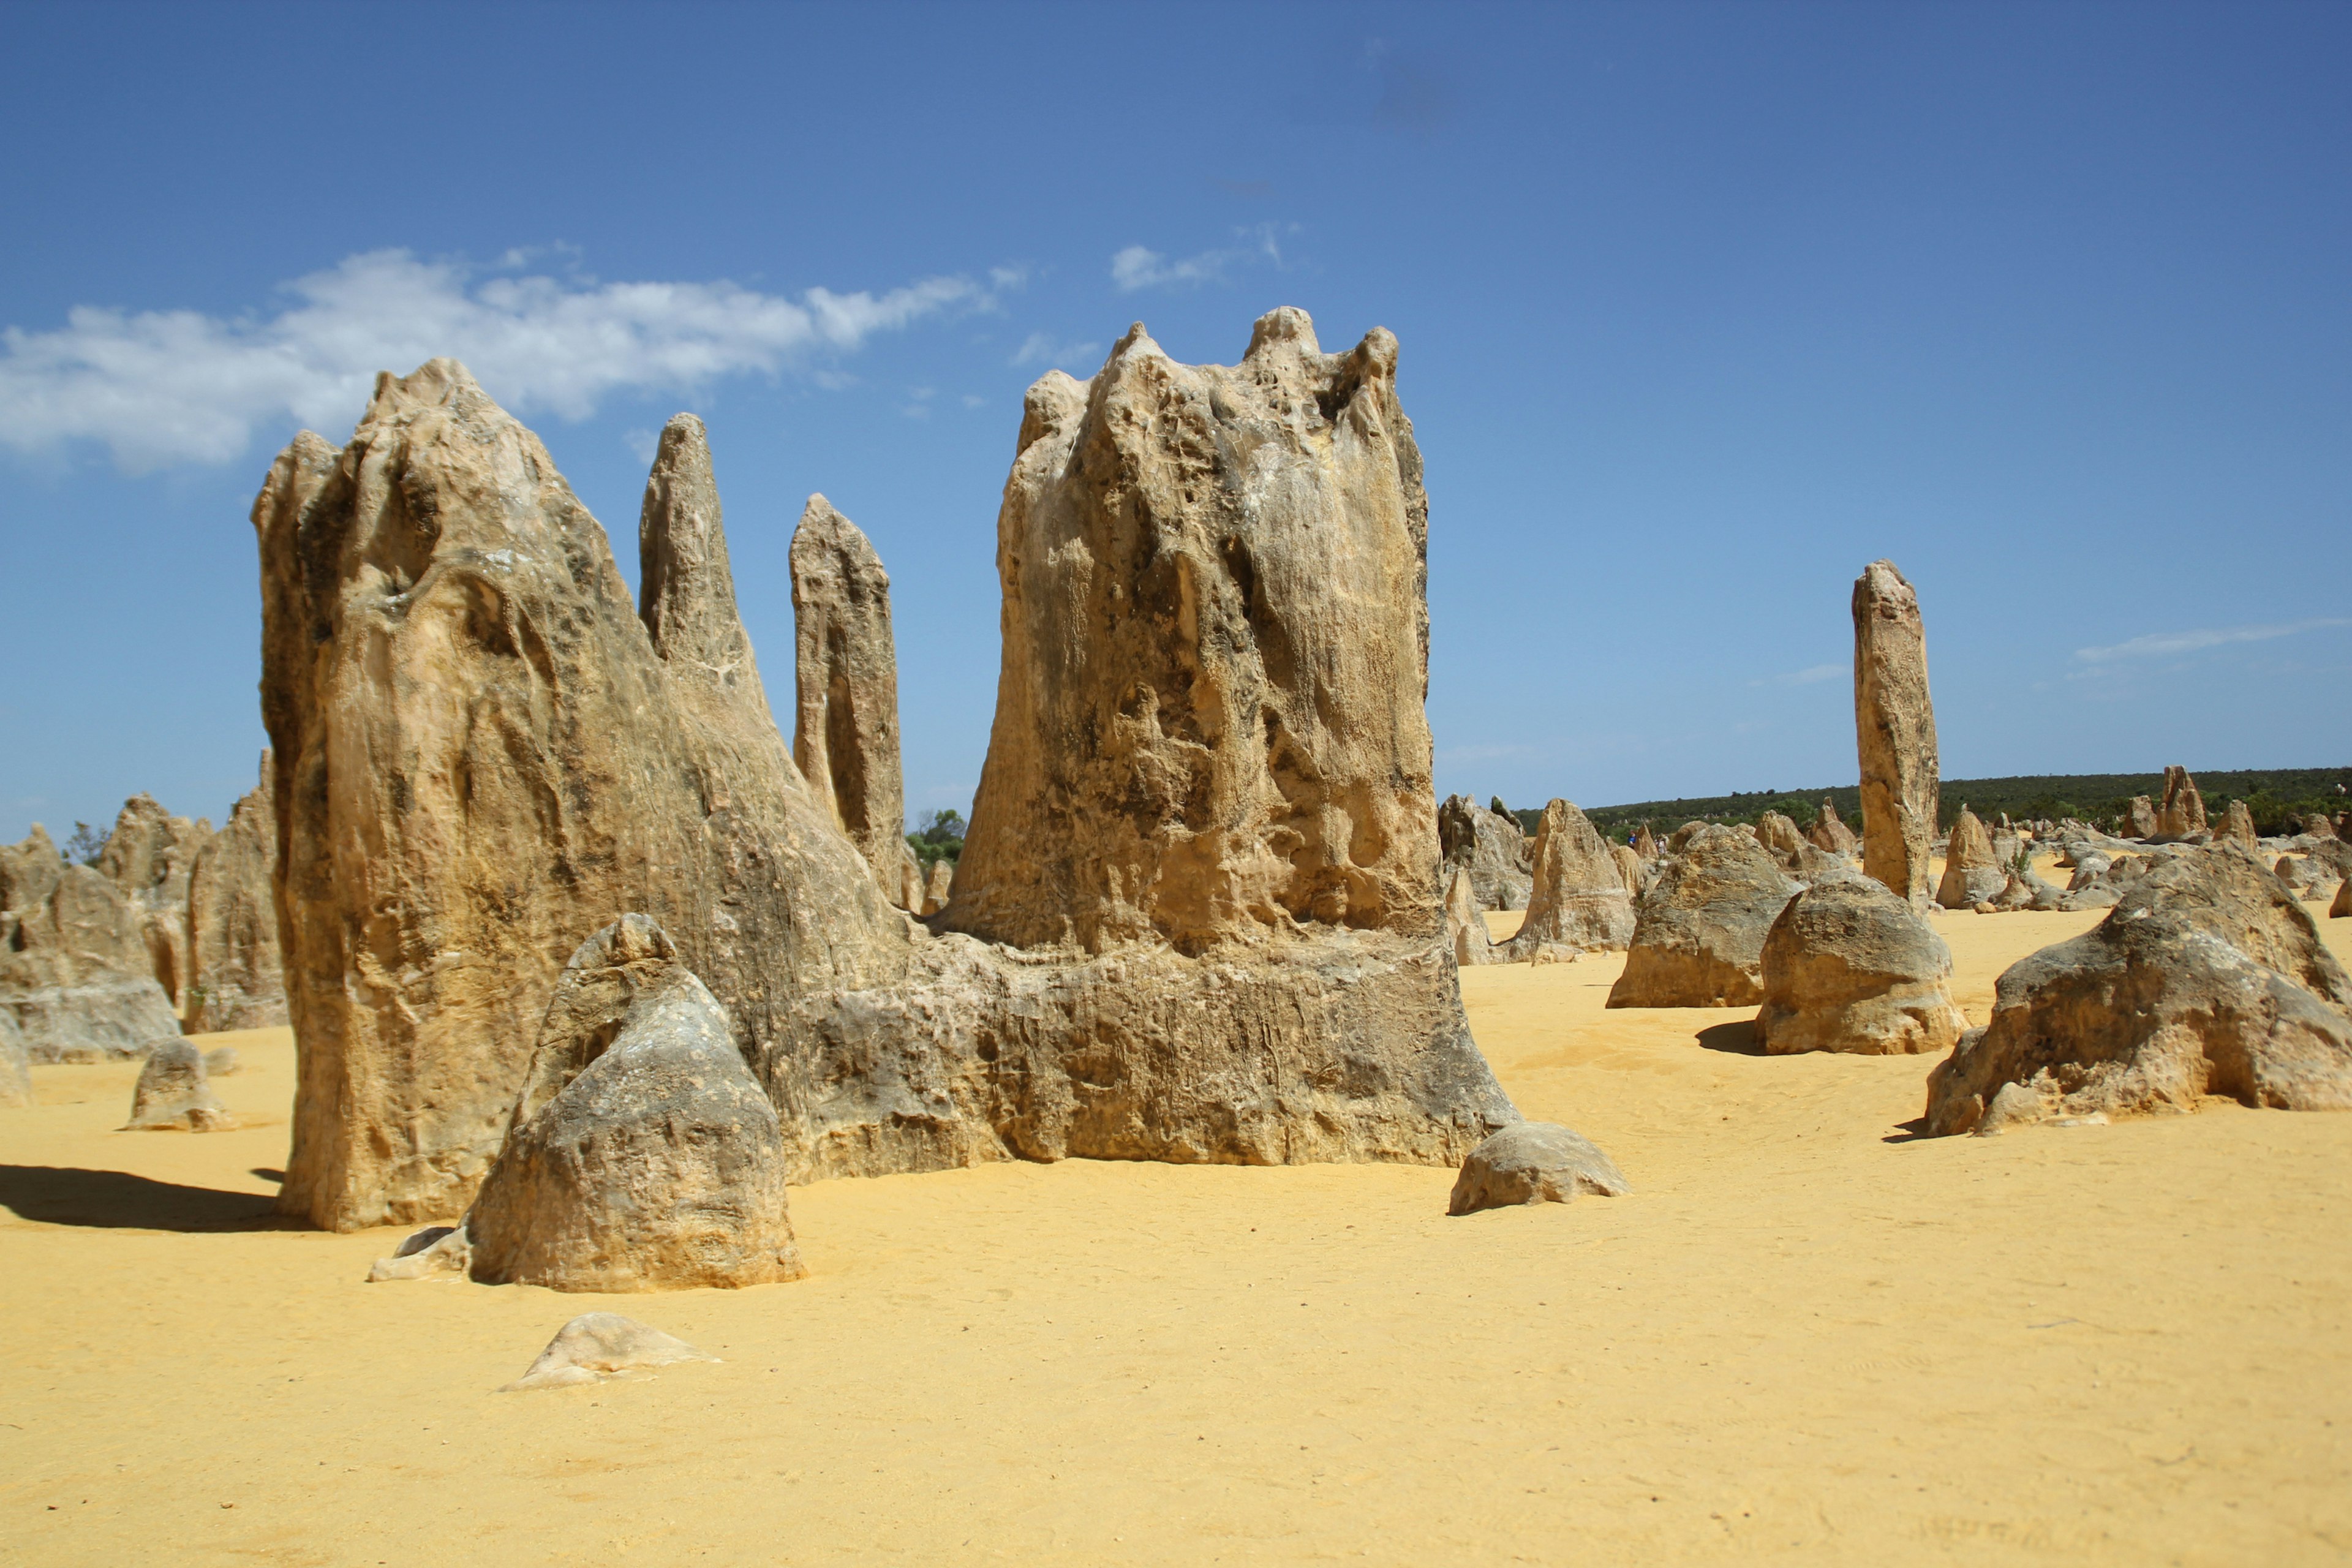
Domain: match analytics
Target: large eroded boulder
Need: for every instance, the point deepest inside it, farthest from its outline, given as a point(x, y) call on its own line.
point(76, 974)
point(236, 981)
point(2208, 979)
point(1851, 966)
point(1489, 845)
point(1698, 937)
point(1973, 870)
point(1894, 729)
point(1579, 900)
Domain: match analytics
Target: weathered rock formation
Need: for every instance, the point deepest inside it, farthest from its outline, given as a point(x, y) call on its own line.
point(2207, 979)
point(938, 885)
point(1894, 727)
point(2238, 825)
point(1682, 836)
point(596, 1347)
point(15, 1065)
point(2025, 891)
point(75, 972)
point(1630, 870)
point(2342, 904)
point(913, 887)
point(482, 753)
point(1466, 925)
point(235, 979)
point(2183, 811)
point(1698, 940)
point(1646, 844)
point(2139, 819)
point(149, 856)
point(1490, 847)
point(1851, 966)
point(1779, 837)
point(642, 1154)
point(1533, 1163)
point(1829, 833)
point(848, 740)
point(1972, 872)
point(174, 1094)
point(1579, 901)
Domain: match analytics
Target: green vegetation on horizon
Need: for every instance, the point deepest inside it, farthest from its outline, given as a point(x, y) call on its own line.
point(2271, 795)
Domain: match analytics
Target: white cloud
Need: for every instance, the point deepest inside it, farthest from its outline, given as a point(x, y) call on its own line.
point(163, 386)
point(1139, 267)
point(1806, 677)
point(2157, 644)
point(1041, 348)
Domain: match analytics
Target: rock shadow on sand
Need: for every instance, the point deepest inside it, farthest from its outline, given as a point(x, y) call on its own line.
point(1739, 1038)
point(117, 1200)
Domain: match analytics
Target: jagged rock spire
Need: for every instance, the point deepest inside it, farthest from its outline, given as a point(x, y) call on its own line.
point(846, 665)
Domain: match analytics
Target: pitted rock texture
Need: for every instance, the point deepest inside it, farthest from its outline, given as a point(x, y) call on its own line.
point(1972, 871)
point(1534, 1162)
point(1490, 847)
point(1698, 938)
point(149, 856)
point(847, 742)
point(1852, 966)
point(236, 981)
point(642, 1154)
point(76, 974)
point(2208, 979)
point(2182, 812)
point(1210, 722)
point(1579, 900)
point(1894, 728)
point(1779, 835)
point(483, 754)
point(2139, 819)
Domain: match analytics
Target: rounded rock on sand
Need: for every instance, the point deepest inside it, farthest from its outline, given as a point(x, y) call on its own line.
point(1533, 1163)
point(598, 1345)
point(172, 1094)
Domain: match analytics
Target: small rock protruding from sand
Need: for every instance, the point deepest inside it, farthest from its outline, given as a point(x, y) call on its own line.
point(2182, 812)
point(937, 888)
point(1466, 927)
point(236, 980)
point(2139, 819)
point(642, 1154)
point(1894, 729)
point(1534, 1162)
point(1491, 846)
point(15, 1065)
point(174, 1094)
point(1579, 901)
point(596, 1346)
point(222, 1061)
point(1851, 966)
point(846, 742)
point(1828, 832)
point(1698, 937)
point(1972, 872)
point(2238, 825)
point(2207, 979)
point(74, 969)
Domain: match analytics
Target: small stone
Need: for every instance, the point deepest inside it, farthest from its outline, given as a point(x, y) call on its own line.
point(172, 1094)
point(596, 1346)
point(1533, 1163)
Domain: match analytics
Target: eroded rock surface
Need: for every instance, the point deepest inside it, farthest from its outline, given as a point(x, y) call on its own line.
point(76, 974)
point(1534, 1162)
point(2182, 812)
point(1973, 872)
point(1577, 902)
point(1829, 833)
point(2208, 979)
point(1894, 726)
point(847, 742)
point(149, 856)
point(1490, 847)
point(15, 1065)
point(2238, 825)
point(1848, 966)
point(175, 1093)
point(1698, 938)
point(236, 981)
point(2139, 819)
point(1465, 926)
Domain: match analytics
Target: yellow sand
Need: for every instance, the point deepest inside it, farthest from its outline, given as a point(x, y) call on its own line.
point(1807, 1337)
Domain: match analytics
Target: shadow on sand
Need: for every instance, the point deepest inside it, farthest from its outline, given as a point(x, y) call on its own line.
point(117, 1200)
point(1739, 1038)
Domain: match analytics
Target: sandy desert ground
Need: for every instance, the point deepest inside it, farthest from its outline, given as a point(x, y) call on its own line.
point(1807, 1337)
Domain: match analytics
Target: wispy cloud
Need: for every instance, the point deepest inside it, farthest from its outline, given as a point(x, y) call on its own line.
point(1139, 267)
point(166, 386)
point(1806, 677)
point(1045, 349)
point(2155, 645)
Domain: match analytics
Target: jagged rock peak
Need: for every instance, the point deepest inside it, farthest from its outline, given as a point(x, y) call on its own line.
point(845, 739)
point(686, 589)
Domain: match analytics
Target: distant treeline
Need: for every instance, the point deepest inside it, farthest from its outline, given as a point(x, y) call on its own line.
point(2273, 796)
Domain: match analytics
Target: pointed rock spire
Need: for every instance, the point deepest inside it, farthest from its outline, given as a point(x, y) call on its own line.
point(846, 742)
point(686, 592)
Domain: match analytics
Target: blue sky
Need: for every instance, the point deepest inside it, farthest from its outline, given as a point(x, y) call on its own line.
point(1702, 309)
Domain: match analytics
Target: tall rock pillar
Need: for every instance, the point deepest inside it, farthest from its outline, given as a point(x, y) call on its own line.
point(1894, 729)
point(846, 739)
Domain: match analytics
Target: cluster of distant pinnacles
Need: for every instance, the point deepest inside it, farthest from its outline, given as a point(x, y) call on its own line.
point(585, 966)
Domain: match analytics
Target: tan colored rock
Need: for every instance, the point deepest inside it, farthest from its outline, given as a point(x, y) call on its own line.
point(1973, 873)
point(1465, 924)
point(1828, 832)
point(2139, 819)
point(1645, 844)
point(2319, 825)
point(1895, 724)
point(2183, 811)
point(1534, 1162)
point(848, 740)
point(2342, 906)
point(1698, 940)
point(1579, 901)
point(1681, 837)
point(596, 1347)
point(642, 1154)
point(149, 856)
point(15, 1065)
point(1630, 869)
point(1490, 845)
point(75, 976)
point(686, 588)
point(1780, 838)
point(2237, 827)
point(482, 755)
point(938, 885)
point(913, 890)
point(174, 1094)
point(1851, 966)
point(236, 981)
point(2208, 979)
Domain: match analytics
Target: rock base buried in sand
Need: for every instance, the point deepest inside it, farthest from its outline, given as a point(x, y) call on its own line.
point(173, 1095)
point(596, 1346)
point(1849, 967)
point(1533, 1163)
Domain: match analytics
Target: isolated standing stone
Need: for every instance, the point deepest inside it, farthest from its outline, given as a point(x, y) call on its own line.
point(175, 1093)
point(235, 979)
point(2183, 811)
point(149, 856)
point(1851, 966)
point(1533, 1163)
point(1828, 832)
point(75, 972)
point(1466, 925)
point(848, 664)
point(2139, 819)
point(1895, 725)
point(642, 1154)
point(2207, 979)
point(2238, 825)
point(1973, 872)
point(1700, 938)
point(596, 1346)
point(1779, 835)
point(1579, 901)
point(1489, 845)
point(1646, 844)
